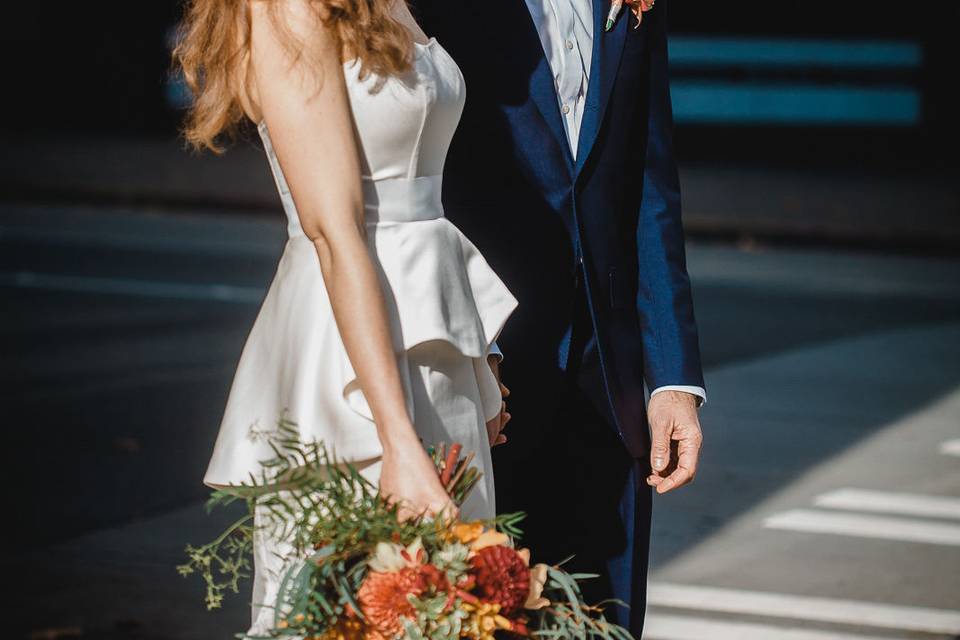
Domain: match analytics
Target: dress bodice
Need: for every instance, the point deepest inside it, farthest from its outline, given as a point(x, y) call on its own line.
point(404, 125)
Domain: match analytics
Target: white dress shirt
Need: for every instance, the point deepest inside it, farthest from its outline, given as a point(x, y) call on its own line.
point(566, 33)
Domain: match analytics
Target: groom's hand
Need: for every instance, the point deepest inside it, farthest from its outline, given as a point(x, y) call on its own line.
point(496, 426)
point(676, 440)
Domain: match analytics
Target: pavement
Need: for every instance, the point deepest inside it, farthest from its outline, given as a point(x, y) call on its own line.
point(861, 207)
point(827, 508)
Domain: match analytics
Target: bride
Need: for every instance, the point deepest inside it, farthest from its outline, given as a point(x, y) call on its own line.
point(376, 332)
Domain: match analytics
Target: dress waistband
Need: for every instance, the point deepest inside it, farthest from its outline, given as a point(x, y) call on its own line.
point(402, 199)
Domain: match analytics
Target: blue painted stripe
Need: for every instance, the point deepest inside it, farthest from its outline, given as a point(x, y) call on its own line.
point(712, 102)
point(696, 51)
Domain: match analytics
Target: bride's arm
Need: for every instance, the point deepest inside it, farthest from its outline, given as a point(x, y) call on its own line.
point(304, 102)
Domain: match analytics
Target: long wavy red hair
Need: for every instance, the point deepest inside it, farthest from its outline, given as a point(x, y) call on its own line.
point(213, 53)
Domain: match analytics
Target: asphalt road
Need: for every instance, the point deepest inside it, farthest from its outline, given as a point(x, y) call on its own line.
point(828, 506)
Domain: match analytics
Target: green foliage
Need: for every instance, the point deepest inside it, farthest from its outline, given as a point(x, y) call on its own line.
point(333, 519)
point(567, 616)
point(223, 562)
point(452, 560)
point(434, 620)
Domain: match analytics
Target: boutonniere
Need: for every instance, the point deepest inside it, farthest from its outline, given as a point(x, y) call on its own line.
point(638, 7)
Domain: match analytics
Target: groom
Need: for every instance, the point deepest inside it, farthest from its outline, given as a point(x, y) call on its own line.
point(562, 171)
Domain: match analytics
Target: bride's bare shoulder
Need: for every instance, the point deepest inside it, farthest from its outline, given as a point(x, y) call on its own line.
point(300, 18)
point(289, 37)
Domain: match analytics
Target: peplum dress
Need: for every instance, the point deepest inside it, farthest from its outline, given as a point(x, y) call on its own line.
point(446, 307)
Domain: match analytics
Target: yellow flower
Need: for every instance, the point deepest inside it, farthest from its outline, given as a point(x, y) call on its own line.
point(489, 538)
point(467, 532)
point(484, 621)
point(345, 629)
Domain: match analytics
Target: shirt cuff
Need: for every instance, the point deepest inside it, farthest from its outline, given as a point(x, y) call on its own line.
point(700, 392)
point(495, 351)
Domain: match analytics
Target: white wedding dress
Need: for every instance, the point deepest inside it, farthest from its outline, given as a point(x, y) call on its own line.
point(446, 308)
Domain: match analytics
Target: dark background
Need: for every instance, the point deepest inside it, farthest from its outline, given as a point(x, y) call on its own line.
point(101, 67)
point(823, 259)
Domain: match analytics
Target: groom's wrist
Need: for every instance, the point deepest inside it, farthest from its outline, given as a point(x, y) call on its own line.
point(699, 394)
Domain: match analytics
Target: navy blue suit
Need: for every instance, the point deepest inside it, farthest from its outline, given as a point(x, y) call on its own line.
point(593, 249)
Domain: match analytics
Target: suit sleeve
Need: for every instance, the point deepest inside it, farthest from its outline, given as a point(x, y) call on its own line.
point(664, 300)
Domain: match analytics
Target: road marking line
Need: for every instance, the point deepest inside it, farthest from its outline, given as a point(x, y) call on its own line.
point(863, 526)
point(674, 627)
point(132, 287)
point(906, 504)
point(950, 448)
point(808, 608)
point(148, 239)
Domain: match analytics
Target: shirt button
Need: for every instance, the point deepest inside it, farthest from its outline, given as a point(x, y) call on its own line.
point(565, 109)
point(569, 44)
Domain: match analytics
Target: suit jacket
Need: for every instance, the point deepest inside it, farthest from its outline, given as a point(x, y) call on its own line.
point(538, 213)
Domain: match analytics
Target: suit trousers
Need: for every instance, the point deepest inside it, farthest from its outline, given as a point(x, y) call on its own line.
point(588, 497)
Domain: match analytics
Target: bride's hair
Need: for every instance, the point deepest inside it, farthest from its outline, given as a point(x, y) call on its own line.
point(213, 53)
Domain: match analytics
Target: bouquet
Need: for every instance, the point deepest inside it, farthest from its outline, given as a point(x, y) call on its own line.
point(358, 573)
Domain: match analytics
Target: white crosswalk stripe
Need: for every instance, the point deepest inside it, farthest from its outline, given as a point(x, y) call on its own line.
point(215, 292)
point(907, 504)
point(800, 607)
point(950, 448)
point(675, 627)
point(866, 526)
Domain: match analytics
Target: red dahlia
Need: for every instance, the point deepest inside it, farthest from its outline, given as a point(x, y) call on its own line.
point(502, 577)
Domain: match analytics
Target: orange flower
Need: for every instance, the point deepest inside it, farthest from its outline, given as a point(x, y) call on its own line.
point(638, 7)
point(383, 596)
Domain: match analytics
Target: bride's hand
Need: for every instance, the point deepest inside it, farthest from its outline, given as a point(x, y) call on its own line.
point(409, 477)
point(496, 426)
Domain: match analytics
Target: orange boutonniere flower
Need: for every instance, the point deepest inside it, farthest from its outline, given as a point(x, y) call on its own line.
point(638, 7)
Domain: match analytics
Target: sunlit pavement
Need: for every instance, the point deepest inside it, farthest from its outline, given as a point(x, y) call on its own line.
point(825, 500)
point(827, 507)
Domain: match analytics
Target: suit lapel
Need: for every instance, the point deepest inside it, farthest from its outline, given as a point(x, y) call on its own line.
point(607, 50)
